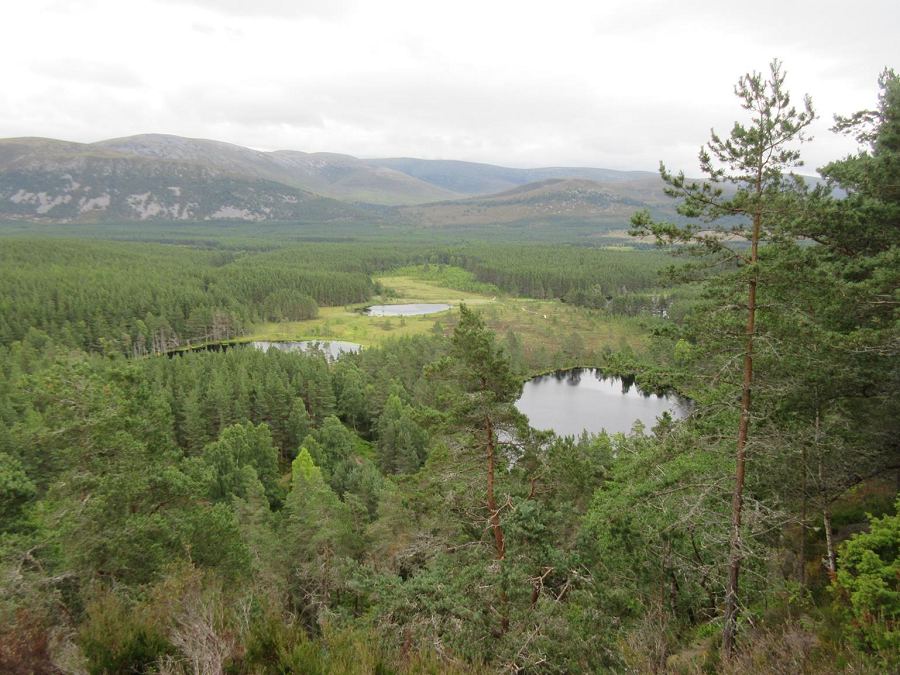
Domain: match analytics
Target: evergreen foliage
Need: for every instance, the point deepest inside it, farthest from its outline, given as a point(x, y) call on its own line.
point(257, 513)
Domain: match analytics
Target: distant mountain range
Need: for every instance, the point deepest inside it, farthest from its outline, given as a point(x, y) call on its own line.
point(543, 201)
point(470, 178)
point(154, 176)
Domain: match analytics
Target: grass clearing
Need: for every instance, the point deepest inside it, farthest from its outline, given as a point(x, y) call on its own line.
point(546, 327)
point(409, 289)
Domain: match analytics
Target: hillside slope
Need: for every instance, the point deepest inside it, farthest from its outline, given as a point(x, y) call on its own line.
point(547, 200)
point(330, 174)
point(472, 178)
point(169, 177)
point(46, 179)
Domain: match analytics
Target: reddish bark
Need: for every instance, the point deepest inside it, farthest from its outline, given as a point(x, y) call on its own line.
point(492, 504)
point(737, 498)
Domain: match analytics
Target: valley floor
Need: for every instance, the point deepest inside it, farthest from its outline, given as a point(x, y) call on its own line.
point(544, 327)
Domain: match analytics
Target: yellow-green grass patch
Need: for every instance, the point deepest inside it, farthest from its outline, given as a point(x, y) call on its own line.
point(547, 324)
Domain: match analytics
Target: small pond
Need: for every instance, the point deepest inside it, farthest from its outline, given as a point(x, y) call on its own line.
point(571, 401)
point(332, 348)
point(405, 310)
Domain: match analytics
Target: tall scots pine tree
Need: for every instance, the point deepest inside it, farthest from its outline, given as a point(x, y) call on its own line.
point(741, 205)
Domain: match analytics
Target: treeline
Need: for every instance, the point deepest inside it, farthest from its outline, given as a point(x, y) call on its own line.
point(148, 298)
point(793, 351)
point(249, 513)
point(137, 299)
point(447, 276)
point(541, 271)
point(287, 509)
point(272, 513)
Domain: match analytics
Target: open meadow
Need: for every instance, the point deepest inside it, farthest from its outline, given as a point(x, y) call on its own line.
point(544, 328)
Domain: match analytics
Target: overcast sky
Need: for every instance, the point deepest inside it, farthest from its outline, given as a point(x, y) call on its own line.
point(598, 83)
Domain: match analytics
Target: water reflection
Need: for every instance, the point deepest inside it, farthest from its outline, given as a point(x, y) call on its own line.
point(417, 309)
point(570, 401)
point(332, 349)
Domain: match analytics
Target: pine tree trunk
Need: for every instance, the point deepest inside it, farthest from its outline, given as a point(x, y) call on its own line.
point(492, 504)
point(495, 520)
point(804, 499)
point(830, 557)
point(803, 491)
point(737, 499)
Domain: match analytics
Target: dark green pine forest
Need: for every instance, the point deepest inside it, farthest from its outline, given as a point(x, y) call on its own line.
point(176, 511)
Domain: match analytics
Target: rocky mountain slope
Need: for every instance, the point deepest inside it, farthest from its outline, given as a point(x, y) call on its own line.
point(329, 174)
point(548, 200)
point(155, 176)
point(45, 179)
point(471, 178)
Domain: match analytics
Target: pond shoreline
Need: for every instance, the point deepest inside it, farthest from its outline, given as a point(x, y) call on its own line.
point(569, 401)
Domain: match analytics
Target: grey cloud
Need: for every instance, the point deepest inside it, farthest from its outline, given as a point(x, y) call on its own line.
point(437, 108)
point(203, 28)
point(541, 122)
point(825, 27)
point(245, 107)
point(208, 29)
point(85, 115)
point(69, 7)
point(629, 18)
point(534, 121)
point(291, 9)
point(453, 102)
point(91, 72)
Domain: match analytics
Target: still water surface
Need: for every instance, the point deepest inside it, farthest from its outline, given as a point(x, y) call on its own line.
point(405, 310)
point(570, 401)
point(332, 348)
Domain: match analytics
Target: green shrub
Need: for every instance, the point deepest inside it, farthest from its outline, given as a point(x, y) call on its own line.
point(868, 578)
point(120, 640)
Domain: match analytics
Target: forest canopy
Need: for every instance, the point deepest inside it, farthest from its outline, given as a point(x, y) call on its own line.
point(173, 511)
